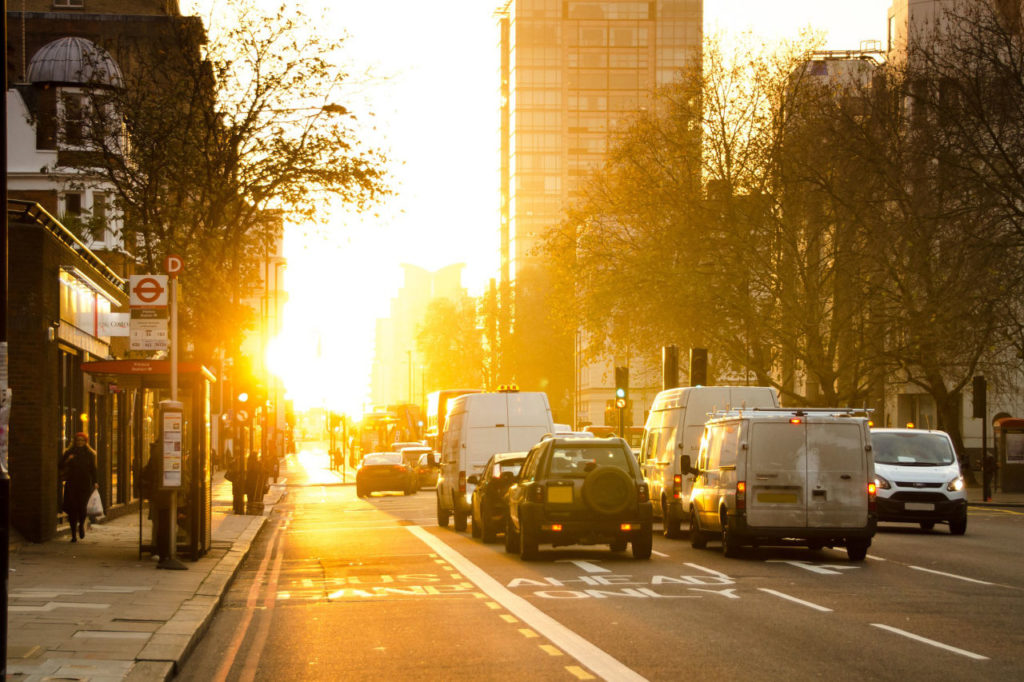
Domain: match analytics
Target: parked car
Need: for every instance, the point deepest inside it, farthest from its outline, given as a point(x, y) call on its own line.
point(428, 467)
point(385, 471)
point(918, 479)
point(490, 503)
point(780, 477)
point(398, 446)
point(579, 491)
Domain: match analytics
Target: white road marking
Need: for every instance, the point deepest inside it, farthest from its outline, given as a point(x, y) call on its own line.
point(951, 575)
point(596, 659)
point(925, 640)
point(588, 566)
point(876, 558)
point(831, 569)
point(657, 553)
point(707, 570)
point(793, 599)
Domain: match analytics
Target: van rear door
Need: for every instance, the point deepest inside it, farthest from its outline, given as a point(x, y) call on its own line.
point(529, 418)
point(837, 475)
point(776, 475)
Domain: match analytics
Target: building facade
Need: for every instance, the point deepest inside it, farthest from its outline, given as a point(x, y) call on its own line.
point(571, 72)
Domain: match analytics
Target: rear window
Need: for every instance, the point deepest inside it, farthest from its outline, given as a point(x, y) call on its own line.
point(578, 462)
point(513, 465)
point(383, 458)
point(912, 449)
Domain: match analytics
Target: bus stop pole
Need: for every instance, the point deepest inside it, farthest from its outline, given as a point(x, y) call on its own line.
point(167, 554)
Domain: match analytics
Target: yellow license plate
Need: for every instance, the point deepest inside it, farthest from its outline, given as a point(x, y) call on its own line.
point(561, 494)
point(777, 498)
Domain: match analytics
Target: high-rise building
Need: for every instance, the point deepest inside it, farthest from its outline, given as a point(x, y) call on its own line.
point(571, 71)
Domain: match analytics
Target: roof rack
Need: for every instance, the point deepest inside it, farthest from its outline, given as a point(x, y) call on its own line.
point(865, 411)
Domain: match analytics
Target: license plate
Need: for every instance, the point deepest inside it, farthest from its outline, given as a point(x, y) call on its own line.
point(919, 506)
point(776, 498)
point(561, 494)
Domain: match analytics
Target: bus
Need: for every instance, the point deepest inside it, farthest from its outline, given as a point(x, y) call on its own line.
point(376, 431)
point(437, 412)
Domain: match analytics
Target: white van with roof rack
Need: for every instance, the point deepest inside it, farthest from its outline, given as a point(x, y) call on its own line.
point(786, 476)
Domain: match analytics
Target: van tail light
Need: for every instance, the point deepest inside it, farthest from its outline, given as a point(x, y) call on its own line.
point(677, 486)
point(741, 495)
point(642, 494)
point(462, 482)
point(872, 502)
point(536, 493)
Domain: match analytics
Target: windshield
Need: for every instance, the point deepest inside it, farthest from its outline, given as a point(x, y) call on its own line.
point(912, 449)
point(578, 462)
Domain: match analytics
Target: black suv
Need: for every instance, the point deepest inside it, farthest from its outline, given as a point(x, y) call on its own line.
point(579, 491)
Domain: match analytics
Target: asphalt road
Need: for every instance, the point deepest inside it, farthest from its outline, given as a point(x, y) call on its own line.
point(343, 588)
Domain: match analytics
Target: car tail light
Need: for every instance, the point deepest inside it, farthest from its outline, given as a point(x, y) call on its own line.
point(627, 526)
point(462, 482)
point(642, 494)
point(399, 467)
point(557, 527)
point(872, 501)
point(536, 493)
point(741, 495)
point(677, 486)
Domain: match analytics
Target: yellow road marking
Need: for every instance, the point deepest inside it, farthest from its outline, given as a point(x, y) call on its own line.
point(509, 618)
point(579, 672)
point(550, 650)
point(493, 605)
point(528, 633)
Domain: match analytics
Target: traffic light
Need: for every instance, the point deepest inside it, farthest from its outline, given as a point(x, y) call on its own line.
point(621, 386)
point(698, 366)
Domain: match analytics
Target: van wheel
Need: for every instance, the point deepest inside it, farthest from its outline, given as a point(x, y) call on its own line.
point(857, 550)
point(643, 545)
point(958, 526)
point(511, 539)
point(442, 514)
point(927, 525)
point(460, 520)
point(528, 544)
point(670, 522)
point(698, 538)
point(730, 543)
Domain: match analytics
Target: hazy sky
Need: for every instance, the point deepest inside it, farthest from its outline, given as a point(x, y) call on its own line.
point(435, 101)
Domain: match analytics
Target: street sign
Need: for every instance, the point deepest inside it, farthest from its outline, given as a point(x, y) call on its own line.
point(173, 264)
point(147, 291)
point(242, 416)
point(148, 329)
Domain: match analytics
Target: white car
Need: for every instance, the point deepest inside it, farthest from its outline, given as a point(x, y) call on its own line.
point(918, 478)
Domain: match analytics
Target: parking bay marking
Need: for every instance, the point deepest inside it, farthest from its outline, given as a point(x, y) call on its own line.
point(600, 662)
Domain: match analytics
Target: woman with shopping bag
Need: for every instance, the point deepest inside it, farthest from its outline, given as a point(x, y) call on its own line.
point(78, 469)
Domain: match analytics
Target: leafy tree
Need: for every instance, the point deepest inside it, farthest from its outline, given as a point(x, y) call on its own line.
point(451, 344)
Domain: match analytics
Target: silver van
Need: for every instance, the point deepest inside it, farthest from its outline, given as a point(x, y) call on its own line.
point(672, 440)
point(784, 476)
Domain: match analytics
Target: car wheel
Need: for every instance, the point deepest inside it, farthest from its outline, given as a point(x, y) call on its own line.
point(475, 527)
point(644, 544)
point(442, 514)
point(511, 539)
point(927, 525)
point(460, 520)
point(671, 523)
point(958, 526)
point(698, 538)
point(857, 550)
point(528, 544)
point(487, 531)
point(360, 492)
point(619, 545)
point(730, 543)
point(609, 490)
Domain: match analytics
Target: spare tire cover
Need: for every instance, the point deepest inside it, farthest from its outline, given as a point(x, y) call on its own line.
point(609, 490)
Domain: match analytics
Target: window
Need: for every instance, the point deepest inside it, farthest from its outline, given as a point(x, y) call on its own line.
point(72, 118)
point(65, 4)
point(72, 204)
point(98, 224)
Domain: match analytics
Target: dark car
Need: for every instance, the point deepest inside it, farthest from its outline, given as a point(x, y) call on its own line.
point(428, 468)
point(490, 506)
point(411, 455)
point(385, 471)
point(579, 491)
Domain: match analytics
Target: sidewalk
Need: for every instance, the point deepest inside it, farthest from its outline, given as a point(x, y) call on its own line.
point(975, 498)
point(92, 610)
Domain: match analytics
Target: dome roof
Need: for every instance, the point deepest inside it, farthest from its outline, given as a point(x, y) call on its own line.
point(74, 60)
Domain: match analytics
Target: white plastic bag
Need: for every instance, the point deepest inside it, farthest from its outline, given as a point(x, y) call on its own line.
point(95, 505)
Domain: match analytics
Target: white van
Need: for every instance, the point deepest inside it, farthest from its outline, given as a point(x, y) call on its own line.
point(803, 476)
point(479, 425)
point(919, 479)
point(672, 440)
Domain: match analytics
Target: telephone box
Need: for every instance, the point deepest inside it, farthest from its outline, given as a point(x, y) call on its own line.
point(148, 383)
point(1009, 435)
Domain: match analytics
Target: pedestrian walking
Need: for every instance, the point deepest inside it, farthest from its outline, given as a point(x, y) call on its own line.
point(78, 469)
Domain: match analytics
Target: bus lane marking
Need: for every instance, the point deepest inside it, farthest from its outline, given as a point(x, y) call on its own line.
point(931, 642)
point(597, 660)
point(582, 587)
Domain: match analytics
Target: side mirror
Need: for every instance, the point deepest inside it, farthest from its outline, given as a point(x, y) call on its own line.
point(473, 479)
point(432, 460)
point(686, 466)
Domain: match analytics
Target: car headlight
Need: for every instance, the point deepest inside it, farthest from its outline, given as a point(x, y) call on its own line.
point(881, 483)
point(956, 485)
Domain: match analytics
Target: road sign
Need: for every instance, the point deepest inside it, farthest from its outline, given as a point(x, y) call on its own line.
point(173, 264)
point(148, 329)
point(147, 291)
point(242, 416)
